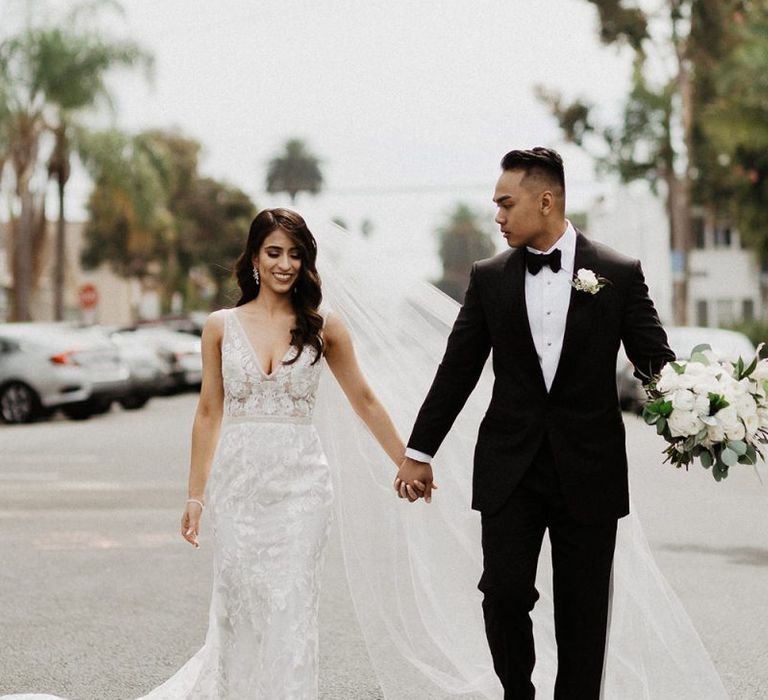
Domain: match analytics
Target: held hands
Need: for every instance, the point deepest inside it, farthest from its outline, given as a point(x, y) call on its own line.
point(414, 480)
point(190, 522)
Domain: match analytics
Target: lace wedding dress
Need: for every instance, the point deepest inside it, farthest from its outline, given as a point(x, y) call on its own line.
point(270, 502)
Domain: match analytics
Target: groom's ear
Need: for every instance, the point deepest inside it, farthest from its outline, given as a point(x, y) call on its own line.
point(546, 202)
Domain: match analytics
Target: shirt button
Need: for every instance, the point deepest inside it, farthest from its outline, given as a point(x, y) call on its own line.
point(549, 283)
point(549, 345)
point(549, 313)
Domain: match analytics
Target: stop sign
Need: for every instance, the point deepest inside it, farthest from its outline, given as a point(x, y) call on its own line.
point(88, 296)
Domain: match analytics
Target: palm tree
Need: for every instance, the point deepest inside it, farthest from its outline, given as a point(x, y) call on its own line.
point(295, 170)
point(46, 76)
point(73, 65)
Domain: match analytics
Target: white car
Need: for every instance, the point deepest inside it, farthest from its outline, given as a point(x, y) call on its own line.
point(725, 344)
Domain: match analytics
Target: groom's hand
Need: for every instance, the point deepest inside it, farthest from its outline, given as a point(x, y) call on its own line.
point(414, 480)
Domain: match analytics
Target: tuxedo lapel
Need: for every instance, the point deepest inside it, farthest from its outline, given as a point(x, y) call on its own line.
point(581, 311)
point(517, 313)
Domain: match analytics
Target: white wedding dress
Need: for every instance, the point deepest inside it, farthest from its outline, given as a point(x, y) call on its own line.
point(270, 502)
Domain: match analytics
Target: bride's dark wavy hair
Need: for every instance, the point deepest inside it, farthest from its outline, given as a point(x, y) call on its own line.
point(306, 294)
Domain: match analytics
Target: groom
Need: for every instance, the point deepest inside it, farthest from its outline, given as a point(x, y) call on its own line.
point(550, 451)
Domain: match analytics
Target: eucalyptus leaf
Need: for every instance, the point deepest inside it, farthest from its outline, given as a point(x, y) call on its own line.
point(700, 357)
point(738, 446)
point(729, 457)
point(750, 456)
point(702, 347)
point(706, 459)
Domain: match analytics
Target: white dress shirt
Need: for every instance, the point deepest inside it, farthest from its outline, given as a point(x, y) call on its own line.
point(547, 297)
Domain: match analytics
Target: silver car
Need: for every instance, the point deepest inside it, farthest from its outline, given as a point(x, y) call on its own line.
point(34, 381)
point(725, 344)
point(181, 353)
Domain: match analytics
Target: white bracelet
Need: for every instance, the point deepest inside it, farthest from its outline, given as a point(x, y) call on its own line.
point(194, 500)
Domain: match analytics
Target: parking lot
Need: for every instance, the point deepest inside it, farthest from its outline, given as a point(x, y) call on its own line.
point(102, 599)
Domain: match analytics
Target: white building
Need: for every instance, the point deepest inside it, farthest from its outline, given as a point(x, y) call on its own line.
point(725, 281)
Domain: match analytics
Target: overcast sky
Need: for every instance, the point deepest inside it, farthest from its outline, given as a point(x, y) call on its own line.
point(409, 104)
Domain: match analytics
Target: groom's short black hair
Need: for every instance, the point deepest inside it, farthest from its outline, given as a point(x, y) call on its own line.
point(539, 163)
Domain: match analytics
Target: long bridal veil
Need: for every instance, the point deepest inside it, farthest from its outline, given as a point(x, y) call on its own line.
point(413, 568)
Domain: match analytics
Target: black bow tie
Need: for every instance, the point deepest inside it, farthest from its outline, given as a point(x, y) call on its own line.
point(535, 261)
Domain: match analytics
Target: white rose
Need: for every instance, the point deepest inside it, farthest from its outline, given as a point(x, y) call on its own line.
point(737, 432)
point(728, 418)
point(669, 381)
point(752, 424)
point(683, 400)
point(684, 423)
point(701, 404)
point(760, 373)
point(587, 277)
point(745, 405)
point(715, 433)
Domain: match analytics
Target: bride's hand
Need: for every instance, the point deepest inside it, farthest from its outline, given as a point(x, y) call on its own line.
point(190, 523)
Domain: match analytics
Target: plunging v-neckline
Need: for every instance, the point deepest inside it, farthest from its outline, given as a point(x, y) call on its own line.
point(256, 361)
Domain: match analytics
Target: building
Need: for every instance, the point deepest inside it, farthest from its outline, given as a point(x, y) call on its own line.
point(119, 301)
point(725, 284)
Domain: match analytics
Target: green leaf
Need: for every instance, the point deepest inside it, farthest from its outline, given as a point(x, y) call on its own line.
point(703, 347)
point(728, 457)
point(750, 369)
point(651, 418)
point(737, 446)
point(720, 471)
point(677, 367)
point(661, 425)
point(665, 409)
point(716, 402)
point(739, 368)
point(750, 456)
point(706, 459)
point(701, 358)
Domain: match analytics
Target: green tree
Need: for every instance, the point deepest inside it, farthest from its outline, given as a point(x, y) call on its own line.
point(735, 127)
point(659, 139)
point(294, 170)
point(217, 219)
point(462, 241)
point(150, 210)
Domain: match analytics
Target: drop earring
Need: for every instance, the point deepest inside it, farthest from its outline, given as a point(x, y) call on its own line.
point(256, 275)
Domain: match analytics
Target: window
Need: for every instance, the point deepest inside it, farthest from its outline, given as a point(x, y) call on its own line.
point(722, 236)
point(702, 317)
point(699, 234)
point(748, 310)
point(725, 312)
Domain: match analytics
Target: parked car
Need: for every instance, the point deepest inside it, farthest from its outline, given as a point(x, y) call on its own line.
point(33, 382)
point(725, 344)
point(147, 372)
point(180, 352)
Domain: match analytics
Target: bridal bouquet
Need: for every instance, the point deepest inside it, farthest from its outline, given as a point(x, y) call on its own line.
point(714, 410)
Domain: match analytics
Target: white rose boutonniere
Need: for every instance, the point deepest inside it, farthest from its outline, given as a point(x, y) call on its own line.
point(587, 281)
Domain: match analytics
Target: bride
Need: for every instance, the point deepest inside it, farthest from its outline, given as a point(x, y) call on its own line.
point(412, 570)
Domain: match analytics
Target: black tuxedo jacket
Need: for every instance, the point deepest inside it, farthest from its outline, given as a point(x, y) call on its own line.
point(580, 414)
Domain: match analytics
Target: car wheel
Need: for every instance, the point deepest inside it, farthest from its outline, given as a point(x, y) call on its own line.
point(133, 402)
point(18, 403)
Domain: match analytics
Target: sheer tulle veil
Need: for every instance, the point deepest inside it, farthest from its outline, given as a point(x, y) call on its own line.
point(413, 568)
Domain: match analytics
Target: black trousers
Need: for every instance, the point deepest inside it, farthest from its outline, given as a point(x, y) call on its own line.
point(582, 556)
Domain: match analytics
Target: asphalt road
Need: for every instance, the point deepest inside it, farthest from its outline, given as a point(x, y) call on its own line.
point(101, 599)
